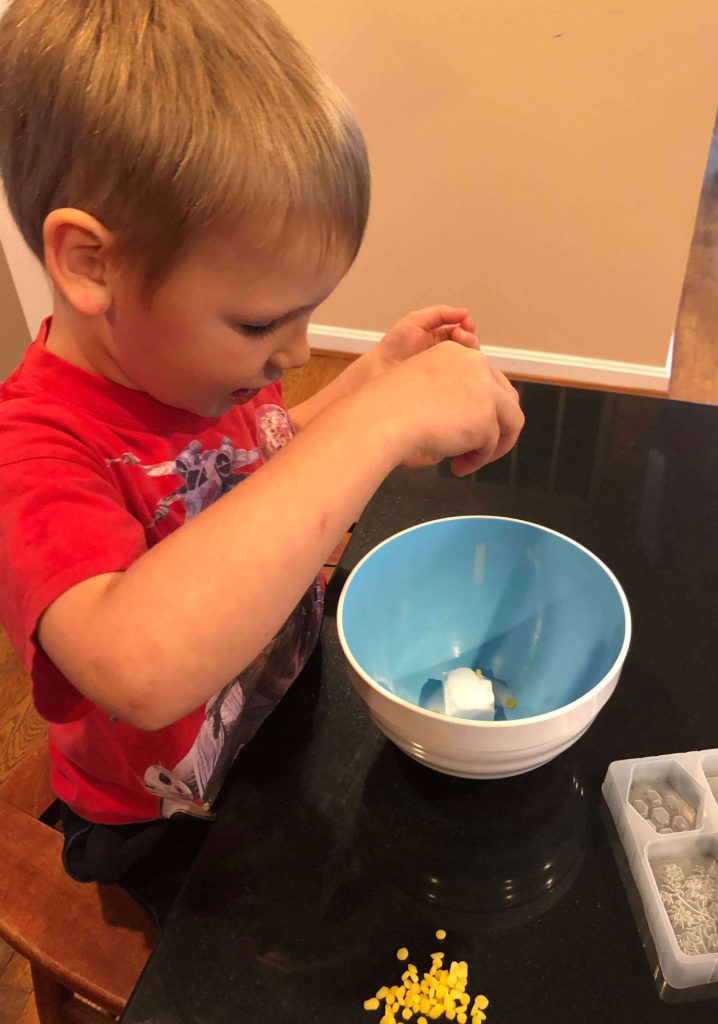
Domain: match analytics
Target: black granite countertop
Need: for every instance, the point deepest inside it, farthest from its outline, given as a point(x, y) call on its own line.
point(332, 848)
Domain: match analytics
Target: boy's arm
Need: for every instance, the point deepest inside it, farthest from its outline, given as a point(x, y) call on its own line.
point(356, 374)
point(414, 333)
point(154, 642)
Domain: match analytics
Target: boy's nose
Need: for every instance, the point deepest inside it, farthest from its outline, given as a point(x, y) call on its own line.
point(293, 354)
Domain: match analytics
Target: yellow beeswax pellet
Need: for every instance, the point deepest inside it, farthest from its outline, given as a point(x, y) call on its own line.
point(440, 994)
point(441, 934)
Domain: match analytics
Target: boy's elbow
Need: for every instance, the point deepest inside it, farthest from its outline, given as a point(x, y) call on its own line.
point(133, 705)
point(143, 715)
point(136, 697)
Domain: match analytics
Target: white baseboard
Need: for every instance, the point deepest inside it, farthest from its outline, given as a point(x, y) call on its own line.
point(523, 362)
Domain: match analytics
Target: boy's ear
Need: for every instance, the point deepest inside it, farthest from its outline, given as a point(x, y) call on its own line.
point(78, 258)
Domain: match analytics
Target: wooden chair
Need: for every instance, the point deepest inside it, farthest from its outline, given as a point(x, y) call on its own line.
point(82, 940)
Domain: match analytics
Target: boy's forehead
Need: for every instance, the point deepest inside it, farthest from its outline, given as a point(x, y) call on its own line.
point(301, 244)
point(257, 257)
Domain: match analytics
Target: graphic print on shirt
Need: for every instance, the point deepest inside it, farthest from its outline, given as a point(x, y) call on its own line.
point(207, 475)
point(235, 713)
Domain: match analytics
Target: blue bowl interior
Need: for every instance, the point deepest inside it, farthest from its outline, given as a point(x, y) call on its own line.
point(527, 607)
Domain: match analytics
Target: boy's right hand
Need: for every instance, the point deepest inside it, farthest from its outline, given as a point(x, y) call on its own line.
point(450, 401)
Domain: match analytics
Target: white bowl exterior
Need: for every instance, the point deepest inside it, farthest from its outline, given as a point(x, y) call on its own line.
point(481, 750)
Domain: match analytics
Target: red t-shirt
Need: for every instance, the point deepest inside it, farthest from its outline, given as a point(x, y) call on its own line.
point(92, 474)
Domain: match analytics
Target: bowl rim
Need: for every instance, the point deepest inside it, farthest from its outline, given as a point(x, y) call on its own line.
point(483, 724)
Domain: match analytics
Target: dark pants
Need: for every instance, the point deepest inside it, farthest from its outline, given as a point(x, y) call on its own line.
point(150, 860)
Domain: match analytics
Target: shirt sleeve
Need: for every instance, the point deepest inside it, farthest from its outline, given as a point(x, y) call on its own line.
point(61, 521)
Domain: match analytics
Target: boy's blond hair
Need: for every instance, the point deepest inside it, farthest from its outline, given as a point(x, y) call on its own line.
point(170, 119)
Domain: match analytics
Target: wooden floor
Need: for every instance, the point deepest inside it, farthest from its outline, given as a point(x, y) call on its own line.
point(694, 379)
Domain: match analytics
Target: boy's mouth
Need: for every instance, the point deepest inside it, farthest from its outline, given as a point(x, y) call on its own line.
point(243, 395)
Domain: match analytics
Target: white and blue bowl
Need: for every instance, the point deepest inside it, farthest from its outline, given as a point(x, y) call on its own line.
point(530, 607)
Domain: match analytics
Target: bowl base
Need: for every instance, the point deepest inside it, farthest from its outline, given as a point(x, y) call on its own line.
point(478, 775)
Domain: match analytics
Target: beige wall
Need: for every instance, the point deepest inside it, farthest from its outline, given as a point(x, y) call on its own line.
point(25, 293)
point(29, 280)
point(540, 162)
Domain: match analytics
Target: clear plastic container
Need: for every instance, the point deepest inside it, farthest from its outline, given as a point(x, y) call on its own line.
point(665, 810)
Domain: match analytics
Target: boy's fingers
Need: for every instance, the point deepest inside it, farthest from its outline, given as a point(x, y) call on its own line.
point(502, 435)
point(454, 332)
point(444, 333)
point(433, 317)
point(464, 337)
point(469, 462)
point(503, 381)
point(511, 421)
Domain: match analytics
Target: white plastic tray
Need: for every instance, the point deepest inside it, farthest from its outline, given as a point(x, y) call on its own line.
point(685, 943)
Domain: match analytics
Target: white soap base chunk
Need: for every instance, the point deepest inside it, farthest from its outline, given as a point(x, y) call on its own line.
point(468, 695)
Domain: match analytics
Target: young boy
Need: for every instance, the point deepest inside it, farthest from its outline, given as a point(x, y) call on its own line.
point(196, 187)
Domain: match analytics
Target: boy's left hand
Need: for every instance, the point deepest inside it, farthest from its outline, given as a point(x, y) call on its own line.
point(422, 329)
point(414, 333)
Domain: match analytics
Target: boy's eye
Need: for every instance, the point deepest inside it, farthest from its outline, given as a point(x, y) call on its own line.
point(255, 330)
